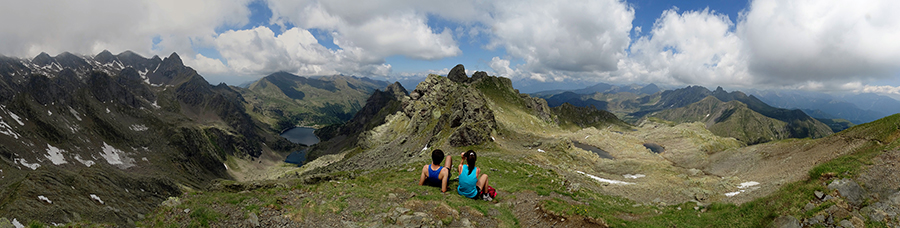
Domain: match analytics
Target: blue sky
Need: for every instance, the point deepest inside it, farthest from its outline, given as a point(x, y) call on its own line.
point(830, 46)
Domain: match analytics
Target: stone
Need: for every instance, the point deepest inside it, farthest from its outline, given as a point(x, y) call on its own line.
point(786, 222)
point(827, 197)
point(819, 195)
point(809, 207)
point(253, 219)
point(816, 219)
point(458, 74)
point(464, 222)
point(850, 190)
point(895, 199)
point(837, 212)
point(873, 213)
point(857, 222)
point(401, 210)
point(846, 224)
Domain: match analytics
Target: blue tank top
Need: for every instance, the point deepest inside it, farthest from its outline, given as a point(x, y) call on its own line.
point(433, 175)
point(467, 182)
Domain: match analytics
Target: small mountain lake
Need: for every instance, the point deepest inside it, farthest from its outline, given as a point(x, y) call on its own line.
point(300, 135)
point(655, 148)
point(600, 152)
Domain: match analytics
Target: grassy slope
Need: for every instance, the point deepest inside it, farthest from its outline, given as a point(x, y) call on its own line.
point(729, 119)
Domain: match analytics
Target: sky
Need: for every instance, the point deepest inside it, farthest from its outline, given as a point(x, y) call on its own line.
point(813, 45)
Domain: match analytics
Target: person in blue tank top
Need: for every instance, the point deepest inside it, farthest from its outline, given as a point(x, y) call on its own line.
point(434, 174)
point(471, 181)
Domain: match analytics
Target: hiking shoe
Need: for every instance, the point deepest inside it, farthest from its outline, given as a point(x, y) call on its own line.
point(487, 197)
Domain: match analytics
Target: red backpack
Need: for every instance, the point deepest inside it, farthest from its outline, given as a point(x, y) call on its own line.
point(490, 191)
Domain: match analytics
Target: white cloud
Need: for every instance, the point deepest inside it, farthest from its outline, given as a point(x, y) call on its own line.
point(568, 36)
point(259, 51)
point(90, 26)
point(501, 67)
point(205, 64)
point(374, 29)
point(694, 47)
point(829, 41)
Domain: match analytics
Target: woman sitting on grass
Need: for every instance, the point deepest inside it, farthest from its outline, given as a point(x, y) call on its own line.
point(434, 174)
point(471, 182)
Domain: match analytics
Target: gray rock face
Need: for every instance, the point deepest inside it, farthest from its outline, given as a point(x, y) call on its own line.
point(458, 74)
point(479, 75)
point(850, 190)
point(786, 222)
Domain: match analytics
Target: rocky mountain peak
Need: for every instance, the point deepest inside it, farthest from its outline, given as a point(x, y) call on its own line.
point(458, 74)
point(105, 57)
point(42, 59)
point(397, 89)
point(173, 60)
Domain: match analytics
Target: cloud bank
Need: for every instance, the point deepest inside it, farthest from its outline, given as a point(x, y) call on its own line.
point(827, 45)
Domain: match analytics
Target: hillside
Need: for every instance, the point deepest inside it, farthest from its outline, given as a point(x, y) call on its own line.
point(106, 138)
point(284, 100)
point(736, 119)
point(544, 178)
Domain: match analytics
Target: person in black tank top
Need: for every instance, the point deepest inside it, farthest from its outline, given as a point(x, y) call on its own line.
point(434, 174)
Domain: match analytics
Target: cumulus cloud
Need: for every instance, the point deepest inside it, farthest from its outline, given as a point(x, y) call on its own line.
point(694, 47)
point(90, 26)
point(568, 36)
point(377, 29)
point(802, 40)
point(259, 51)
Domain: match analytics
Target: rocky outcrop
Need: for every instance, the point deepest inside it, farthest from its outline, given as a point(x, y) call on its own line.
point(458, 74)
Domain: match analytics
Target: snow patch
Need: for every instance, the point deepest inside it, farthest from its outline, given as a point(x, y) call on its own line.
point(115, 156)
point(226, 166)
point(155, 105)
point(425, 148)
point(45, 199)
point(17, 224)
point(605, 180)
point(94, 197)
point(707, 115)
point(107, 110)
point(746, 186)
point(49, 113)
point(492, 138)
point(138, 127)
point(8, 130)
point(55, 155)
point(542, 151)
point(634, 176)
point(585, 137)
point(74, 113)
point(17, 118)
point(87, 163)
point(31, 166)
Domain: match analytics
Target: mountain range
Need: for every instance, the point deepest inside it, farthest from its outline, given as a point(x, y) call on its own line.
point(755, 122)
point(285, 100)
point(857, 108)
point(121, 131)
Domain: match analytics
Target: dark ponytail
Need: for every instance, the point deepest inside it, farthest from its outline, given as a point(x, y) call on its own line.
point(470, 160)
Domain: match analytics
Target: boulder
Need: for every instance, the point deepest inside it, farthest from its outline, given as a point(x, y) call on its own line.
point(850, 190)
point(786, 222)
point(458, 74)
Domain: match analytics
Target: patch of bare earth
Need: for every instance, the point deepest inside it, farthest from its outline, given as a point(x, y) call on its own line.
point(527, 207)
